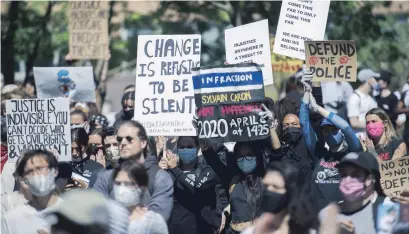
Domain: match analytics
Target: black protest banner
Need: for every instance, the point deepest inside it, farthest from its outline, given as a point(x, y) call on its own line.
point(229, 101)
point(88, 28)
point(331, 60)
point(395, 176)
point(38, 124)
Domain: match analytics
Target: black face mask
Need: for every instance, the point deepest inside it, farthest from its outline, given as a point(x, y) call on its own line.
point(93, 150)
point(129, 114)
point(274, 202)
point(291, 134)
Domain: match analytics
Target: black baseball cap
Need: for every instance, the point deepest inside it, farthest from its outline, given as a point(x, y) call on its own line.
point(364, 160)
point(385, 76)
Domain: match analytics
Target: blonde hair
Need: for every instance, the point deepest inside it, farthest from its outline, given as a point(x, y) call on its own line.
point(390, 132)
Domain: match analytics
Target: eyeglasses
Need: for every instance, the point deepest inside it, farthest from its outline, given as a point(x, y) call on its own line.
point(128, 138)
point(39, 170)
point(247, 158)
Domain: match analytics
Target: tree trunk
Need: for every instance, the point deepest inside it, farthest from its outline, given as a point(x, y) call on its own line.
point(7, 44)
point(43, 31)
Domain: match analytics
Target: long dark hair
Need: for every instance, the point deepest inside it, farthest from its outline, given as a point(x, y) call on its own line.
point(301, 206)
point(253, 185)
point(80, 136)
point(134, 170)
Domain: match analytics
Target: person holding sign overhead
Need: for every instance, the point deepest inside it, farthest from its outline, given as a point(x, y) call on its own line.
point(339, 137)
point(382, 139)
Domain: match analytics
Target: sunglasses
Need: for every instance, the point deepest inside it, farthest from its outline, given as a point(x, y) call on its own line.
point(128, 138)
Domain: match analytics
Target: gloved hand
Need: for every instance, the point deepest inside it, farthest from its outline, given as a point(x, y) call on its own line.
point(313, 104)
point(306, 80)
point(268, 116)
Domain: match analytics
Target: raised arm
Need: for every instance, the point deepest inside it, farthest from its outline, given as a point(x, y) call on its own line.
point(308, 132)
point(354, 145)
point(221, 170)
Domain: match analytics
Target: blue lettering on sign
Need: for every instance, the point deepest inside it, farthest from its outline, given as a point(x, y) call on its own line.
point(217, 80)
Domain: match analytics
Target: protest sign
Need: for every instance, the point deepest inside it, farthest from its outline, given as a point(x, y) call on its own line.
point(331, 60)
point(164, 101)
point(76, 83)
point(38, 124)
point(229, 101)
point(303, 20)
point(88, 28)
point(395, 176)
point(283, 63)
point(254, 47)
point(388, 217)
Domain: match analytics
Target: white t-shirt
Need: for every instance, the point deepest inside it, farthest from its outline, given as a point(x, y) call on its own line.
point(151, 223)
point(333, 92)
point(358, 105)
point(26, 219)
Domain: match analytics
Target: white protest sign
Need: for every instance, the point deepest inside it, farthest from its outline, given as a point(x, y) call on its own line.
point(38, 124)
point(76, 83)
point(302, 20)
point(164, 99)
point(250, 43)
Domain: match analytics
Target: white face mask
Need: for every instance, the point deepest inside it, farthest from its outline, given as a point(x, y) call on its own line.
point(113, 153)
point(128, 196)
point(42, 185)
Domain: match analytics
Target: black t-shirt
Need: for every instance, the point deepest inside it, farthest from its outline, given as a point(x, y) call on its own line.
point(388, 104)
point(325, 182)
point(298, 156)
point(386, 153)
point(88, 169)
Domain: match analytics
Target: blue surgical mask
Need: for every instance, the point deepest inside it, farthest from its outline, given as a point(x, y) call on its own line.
point(335, 139)
point(376, 87)
point(247, 164)
point(187, 156)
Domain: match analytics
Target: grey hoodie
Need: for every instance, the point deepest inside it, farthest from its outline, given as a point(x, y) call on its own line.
point(161, 199)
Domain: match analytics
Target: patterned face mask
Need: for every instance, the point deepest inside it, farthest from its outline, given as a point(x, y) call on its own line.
point(128, 196)
point(42, 185)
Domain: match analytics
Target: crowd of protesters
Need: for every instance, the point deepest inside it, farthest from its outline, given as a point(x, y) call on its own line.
point(317, 173)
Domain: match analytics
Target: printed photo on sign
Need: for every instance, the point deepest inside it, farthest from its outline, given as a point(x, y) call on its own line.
point(38, 124)
point(331, 60)
point(254, 47)
point(388, 217)
point(395, 176)
point(88, 29)
point(229, 101)
point(76, 83)
point(300, 21)
point(164, 101)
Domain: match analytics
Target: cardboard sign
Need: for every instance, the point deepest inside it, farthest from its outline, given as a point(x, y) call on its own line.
point(88, 28)
point(331, 60)
point(229, 101)
point(395, 176)
point(76, 83)
point(254, 47)
point(164, 101)
point(38, 124)
point(300, 21)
